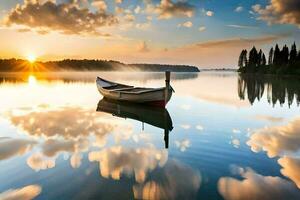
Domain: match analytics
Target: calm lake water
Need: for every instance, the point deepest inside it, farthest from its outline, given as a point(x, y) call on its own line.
point(222, 136)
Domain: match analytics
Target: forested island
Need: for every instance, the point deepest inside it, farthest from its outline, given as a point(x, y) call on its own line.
point(19, 65)
point(280, 62)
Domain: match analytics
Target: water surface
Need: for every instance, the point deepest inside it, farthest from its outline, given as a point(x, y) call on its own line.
point(222, 136)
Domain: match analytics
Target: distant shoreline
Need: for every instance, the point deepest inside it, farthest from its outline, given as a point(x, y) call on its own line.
point(19, 65)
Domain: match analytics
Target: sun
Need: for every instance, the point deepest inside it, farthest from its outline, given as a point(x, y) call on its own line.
point(31, 58)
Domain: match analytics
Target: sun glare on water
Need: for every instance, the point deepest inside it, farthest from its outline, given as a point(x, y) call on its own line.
point(31, 80)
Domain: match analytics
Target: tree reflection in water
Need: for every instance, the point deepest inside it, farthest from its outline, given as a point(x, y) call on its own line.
point(277, 88)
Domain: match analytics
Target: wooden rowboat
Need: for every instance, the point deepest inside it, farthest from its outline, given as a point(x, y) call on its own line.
point(153, 96)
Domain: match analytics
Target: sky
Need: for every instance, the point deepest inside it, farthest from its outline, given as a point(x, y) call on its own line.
point(204, 33)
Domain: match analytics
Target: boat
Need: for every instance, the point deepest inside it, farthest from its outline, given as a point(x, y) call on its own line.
point(155, 116)
point(152, 96)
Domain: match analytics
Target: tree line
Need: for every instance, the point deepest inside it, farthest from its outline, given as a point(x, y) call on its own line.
point(19, 65)
point(280, 61)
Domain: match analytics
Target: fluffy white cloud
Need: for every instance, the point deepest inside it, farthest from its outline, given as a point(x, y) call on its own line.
point(209, 13)
point(100, 5)
point(143, 47)
point(279, 12)
point(202, 28)
point(239, 9)
point(187, 24)
point(167, 9)
point(66, 18)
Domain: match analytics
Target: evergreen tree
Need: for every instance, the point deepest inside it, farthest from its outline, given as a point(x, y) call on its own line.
point(259, 58)
point(264, 61)
point(253, 57)
point(293, 54)
point(245, 61)
point(271, 54)
point(284, 55)
point(240, 62)
point(276, 59)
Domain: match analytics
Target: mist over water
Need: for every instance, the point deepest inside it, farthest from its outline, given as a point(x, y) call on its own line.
point(222, 136)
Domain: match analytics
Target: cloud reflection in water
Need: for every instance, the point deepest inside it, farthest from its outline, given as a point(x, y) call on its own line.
point(256, 186)
point(119, 160)
point(10, 147)
point(176, 181)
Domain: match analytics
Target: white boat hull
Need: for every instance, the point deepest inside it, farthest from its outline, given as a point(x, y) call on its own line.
point(157, 96)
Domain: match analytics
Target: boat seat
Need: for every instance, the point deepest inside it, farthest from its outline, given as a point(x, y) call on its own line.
point(122, 89)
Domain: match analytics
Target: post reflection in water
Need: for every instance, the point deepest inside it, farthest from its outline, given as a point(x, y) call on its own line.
point(277, 89)
point(155, 116)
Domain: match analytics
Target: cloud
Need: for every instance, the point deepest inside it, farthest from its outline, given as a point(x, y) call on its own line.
point(202, 28)
point(168, 9)
point(239, 9)
point(277, 140)
point(256, 186)
point(39, 162)
point(115, 161)
point(209, 13)
point(137, 10)
point(291, 168)
point(236, 143)
point(187, 24)
point(100, 5)
point(176, 181)
point(26, 193)
point(241, 41)
point(269, 118)
point(200, 127)
point(66, 18)
point(183, 145)
point(234, 130)
point(129, 17)
point(143, 26)
point(201, 54)
point(241, 26)
point(279, 12)
point(10, 147)
point(143, 47)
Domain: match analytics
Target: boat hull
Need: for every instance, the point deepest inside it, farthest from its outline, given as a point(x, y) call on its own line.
point(155, 97)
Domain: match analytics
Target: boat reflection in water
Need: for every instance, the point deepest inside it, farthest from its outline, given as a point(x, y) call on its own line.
point(155, 116)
